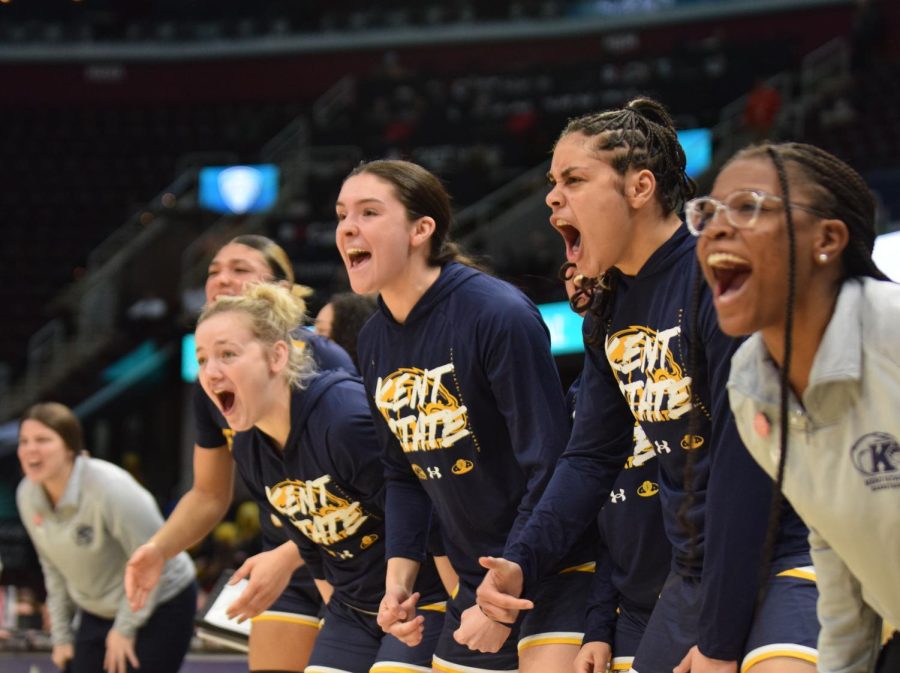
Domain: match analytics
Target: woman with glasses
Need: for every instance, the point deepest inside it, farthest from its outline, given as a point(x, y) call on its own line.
point(785, 243)
point(656, 355)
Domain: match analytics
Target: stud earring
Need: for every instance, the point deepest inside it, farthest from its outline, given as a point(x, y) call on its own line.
point(823, 257)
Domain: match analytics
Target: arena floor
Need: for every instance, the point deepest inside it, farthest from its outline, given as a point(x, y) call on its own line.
point(39, 662)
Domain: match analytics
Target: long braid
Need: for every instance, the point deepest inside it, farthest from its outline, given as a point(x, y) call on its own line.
point(581, 298)
point(694, 356)
point(842, 194)
point(640, 136)
point(784, 376)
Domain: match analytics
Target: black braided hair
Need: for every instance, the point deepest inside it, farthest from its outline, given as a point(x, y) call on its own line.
point(784, 376)
point(694, 355)
point(580, 300)
point(351, 311)
point(640, 136)
point(842, 194)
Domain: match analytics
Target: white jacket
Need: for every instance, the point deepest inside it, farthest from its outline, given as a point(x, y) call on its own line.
point(843, 466)
point(85, 541)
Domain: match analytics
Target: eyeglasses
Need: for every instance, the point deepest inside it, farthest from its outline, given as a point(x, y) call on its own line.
point(741, 208)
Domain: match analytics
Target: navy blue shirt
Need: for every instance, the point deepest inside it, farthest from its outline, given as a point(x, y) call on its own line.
point(634, 555)
point(326, 485)
point(213, 431)
point(470, 412)
point(640, 372)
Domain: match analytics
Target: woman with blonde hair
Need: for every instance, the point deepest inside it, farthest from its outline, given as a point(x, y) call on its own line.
point(305, 445)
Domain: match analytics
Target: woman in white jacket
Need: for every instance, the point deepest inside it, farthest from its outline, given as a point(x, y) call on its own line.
point(85, 517)
point(785, 242)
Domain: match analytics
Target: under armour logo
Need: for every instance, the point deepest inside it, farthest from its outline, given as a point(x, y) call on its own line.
point(662, 447)
point(617, 497)
point(434, 472)
point(345, 554)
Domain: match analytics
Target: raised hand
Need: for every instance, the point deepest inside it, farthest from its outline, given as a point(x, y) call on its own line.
point(269, 574)
point(142, 573)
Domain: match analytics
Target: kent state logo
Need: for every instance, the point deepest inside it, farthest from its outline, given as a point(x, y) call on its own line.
point(84, 535)
point(877, 457)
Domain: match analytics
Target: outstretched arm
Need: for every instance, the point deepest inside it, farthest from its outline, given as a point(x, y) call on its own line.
point(196, 514)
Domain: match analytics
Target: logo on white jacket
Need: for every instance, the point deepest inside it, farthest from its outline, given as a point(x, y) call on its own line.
point(83, 534)
point(877, 456)
point(420, 410)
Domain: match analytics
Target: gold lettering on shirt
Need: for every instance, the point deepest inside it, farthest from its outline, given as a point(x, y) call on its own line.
point(420, 410)
point(316, 512)
point(652, 381)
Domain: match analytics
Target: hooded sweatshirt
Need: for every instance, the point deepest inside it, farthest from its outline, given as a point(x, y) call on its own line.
point(634, 555)
point(326, 486)
point(641, 372)
point(470, 412)
point(213, 431)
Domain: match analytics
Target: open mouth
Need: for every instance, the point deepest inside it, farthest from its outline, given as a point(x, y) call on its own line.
point(226, 400)
point(572, 237)
point(729, 271)
point(357, 256)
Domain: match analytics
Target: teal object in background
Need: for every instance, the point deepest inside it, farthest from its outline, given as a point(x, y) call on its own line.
point(235, 190)
point(189, 367)
point(563, 323)
point(697, 145)
point(565, 328)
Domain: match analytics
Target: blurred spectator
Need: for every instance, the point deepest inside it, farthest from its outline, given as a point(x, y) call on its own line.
point(248, 529)
point(216, 554)
point(761, 110)
point(230, 544)
point(341, 319)
point(30, 611)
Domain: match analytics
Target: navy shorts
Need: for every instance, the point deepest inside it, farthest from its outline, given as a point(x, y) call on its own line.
point(560, 604)
point(300, 603)
point(352, 642)
point(451, 657)
point(630, 627)
point(160, 644)
point(784, 626)
point(557, 618)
